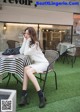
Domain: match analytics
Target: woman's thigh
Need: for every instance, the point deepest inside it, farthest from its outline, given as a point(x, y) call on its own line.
point(29, 69)
point(39, 67)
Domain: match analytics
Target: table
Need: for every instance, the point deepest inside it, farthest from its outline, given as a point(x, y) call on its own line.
point(13, 64)
point(63, 46)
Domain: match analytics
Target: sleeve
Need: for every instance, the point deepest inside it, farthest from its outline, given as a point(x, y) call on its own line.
point(23, 46)
point(29, 50)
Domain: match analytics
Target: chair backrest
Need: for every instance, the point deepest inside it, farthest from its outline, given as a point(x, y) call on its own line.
point(12, 43)
point(71, 51)
point(51, 56)
point(77, 51)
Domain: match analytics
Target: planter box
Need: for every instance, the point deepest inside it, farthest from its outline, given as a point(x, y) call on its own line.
point(7, 99)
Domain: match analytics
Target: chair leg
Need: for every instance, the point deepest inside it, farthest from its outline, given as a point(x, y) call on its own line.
point(40, 77)
point(73, 60)
point(55, 79)
point(16, 79)
point(44, 82)
point(9, 75)
point(46, 78)
point(8, 79)
point(63, 59)
point(5, 77)
point(43, 86)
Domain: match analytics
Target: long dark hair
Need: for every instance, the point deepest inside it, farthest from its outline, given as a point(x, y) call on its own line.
point(32, 34)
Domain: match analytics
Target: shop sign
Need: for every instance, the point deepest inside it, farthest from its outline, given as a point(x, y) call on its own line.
point(21, 2)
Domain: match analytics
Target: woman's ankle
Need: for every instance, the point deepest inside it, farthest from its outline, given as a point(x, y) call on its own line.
point(24, 92)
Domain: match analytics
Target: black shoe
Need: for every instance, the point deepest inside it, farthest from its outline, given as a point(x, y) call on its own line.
point(24, 100)
point(42, 102)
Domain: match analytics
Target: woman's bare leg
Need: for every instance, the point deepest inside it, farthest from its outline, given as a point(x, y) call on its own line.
point(29, 72)
point(25, 80)
point(24, 96)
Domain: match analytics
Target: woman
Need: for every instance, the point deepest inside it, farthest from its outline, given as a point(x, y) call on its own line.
point(31, 47)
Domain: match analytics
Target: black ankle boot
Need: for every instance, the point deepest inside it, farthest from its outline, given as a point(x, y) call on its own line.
point(24, 100)
point(42, 102)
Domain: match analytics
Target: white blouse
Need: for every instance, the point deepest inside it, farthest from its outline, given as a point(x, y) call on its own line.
point(34, 51)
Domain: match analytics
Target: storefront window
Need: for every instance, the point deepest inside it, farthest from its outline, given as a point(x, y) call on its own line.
point(49, 35)
point(53, 34)
point(76, 30)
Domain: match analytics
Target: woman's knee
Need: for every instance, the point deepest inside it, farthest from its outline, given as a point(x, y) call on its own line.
point(26, 68)
point(29, 70)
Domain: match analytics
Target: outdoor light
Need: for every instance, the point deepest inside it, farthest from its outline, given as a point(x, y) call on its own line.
point(5, 27)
